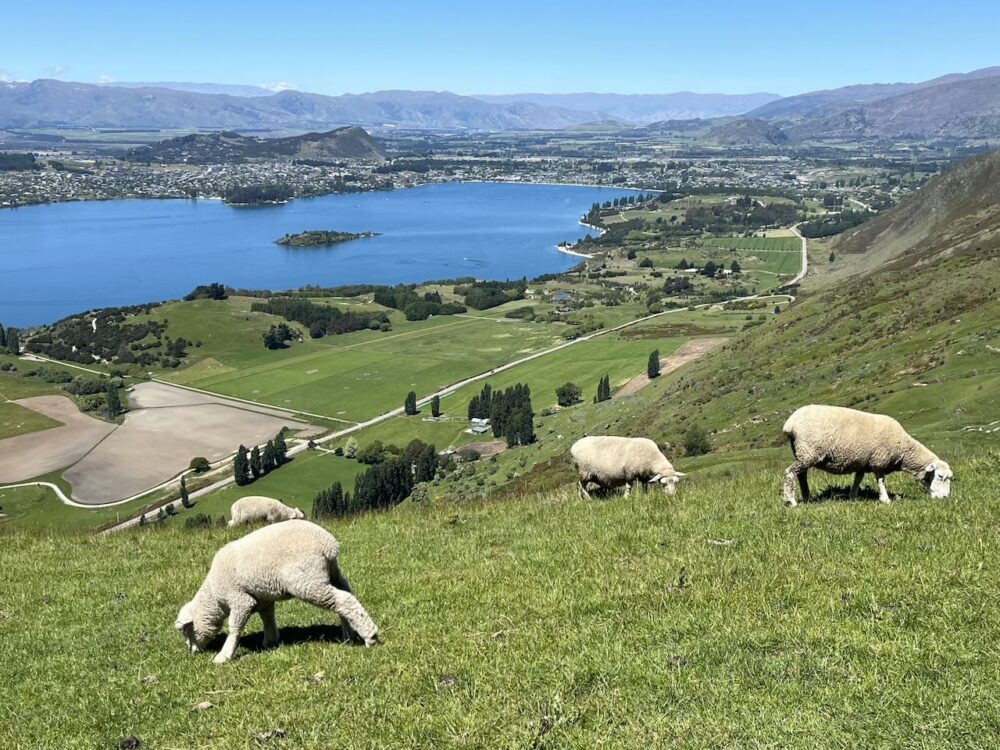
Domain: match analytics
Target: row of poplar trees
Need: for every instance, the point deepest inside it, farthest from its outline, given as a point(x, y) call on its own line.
point(510, 413)
point(252, 464)
point(383, 485)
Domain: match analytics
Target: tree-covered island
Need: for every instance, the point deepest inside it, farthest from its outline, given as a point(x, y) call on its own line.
point(321, 238)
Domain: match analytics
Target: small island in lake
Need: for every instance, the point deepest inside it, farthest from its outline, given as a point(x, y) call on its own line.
point(322, 238)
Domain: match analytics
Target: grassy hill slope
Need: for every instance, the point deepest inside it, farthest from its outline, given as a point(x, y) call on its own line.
point(714, 618)
point(914, 332)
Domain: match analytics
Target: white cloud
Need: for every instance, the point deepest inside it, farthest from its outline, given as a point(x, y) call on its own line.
point(279, 86)
point(59, 71)
point(107, 79)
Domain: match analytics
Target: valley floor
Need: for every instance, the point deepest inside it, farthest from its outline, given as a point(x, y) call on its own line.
point(714, 618)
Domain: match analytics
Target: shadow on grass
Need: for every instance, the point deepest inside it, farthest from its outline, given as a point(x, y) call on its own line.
point(290, 636)
point(843, 495)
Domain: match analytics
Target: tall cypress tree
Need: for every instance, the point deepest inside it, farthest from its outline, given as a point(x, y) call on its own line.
point(114, 402)
point(255, 465)
point(13, 343)
point(653, 366)
point(185, 499)
point(3, 337)
point(410, 404)
point(280, 450)
point(473, 408)
point(241, 467)
point(268, 460)
point(436, 406)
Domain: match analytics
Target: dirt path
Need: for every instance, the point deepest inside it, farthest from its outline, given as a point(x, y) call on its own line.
point(688, 352)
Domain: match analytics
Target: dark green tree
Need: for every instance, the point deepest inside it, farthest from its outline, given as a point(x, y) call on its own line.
point(268, 458)
point(653, 365)
point(199, 464)
point(114, 402)
point(410, 404)
point(603, 390)
point(185, 498)
point(256, 468)
point(3, 338)
point(735, 267)
point(696, 441)
point(568, 394)
point(436, 406)
point(280, 450)
point(13, 342)
point(241, 467)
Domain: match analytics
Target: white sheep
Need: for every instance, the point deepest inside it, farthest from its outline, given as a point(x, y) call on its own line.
point(292, 559)
point(259, 508)
point(845, 441)
point(611, 462)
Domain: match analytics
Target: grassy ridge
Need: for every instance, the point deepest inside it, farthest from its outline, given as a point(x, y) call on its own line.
point(547, 622)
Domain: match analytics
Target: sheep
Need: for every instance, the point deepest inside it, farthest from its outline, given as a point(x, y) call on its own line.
point(841, 441)
point(610, 462)
point(292, 559)
point(259, 508)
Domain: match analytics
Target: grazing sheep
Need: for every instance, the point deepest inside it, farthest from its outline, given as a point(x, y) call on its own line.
point(259, 508)
point(845, 441)
point(292, 559)
point(611, 462)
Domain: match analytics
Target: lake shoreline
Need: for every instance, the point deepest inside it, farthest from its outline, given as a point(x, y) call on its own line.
point(485, 230)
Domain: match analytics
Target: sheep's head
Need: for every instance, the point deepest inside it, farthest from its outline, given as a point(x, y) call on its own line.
point(197, 631)
point(668, 481)
point(297, 513)
point(937, 479)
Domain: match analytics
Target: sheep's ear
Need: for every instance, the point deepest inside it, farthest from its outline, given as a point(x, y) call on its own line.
point(655, 479)
point(931, 468)
point(184, 618)
point(679, 475)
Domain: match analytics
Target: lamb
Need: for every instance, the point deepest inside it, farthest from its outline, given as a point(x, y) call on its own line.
point(842, 441)
point(611, 462)
point(259, 508)
point(292, 559)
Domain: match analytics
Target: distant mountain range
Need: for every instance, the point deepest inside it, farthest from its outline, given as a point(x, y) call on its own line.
point(212, 148)
point(50, 103)
point(962, 105)
point(232, 89)
point(642, 108)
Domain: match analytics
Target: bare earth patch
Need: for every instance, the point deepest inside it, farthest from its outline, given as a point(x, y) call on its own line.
point(26, 456)
point(166, 428)
point(485, 449)
point(688, 352)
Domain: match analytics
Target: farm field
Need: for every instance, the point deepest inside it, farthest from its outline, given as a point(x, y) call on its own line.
point(356, 376)
point(18, 420)
point(713, 618)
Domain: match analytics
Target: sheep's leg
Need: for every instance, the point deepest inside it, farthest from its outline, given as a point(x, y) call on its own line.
point(239, 613)
point(628, 488)
point(796, 470)
point(346, 605)
point(339, 581)
point(271, 635)
point(883, 493)
point(856, 487)
point(582, 484)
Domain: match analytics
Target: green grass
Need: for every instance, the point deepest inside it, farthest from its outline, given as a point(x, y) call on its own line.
point(546, 622)
point(19, 420)
point(295, 484)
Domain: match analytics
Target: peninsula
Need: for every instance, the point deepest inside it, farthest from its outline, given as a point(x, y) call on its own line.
point(321, 238)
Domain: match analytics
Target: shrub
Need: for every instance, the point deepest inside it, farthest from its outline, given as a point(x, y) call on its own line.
point(199, 464)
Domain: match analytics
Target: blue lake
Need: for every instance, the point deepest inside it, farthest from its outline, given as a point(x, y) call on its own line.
point(65, 258)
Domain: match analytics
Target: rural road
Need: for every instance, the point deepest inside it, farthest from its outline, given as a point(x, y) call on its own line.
point(805, 258)
point(448, 390)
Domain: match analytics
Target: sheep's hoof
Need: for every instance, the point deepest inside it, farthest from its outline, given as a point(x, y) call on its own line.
point(371, 642)
point(790, 502)
point(220, 659)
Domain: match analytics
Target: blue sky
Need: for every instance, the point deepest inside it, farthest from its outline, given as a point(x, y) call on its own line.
point(501, 47)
